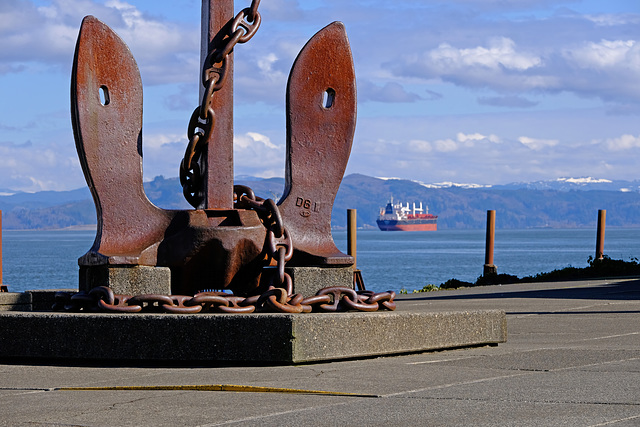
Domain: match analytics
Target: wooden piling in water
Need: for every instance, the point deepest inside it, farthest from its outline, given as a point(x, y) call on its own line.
point(489, 267)
point(2, 287)
point(352, 235)
point(602, 216)
point(352, 240)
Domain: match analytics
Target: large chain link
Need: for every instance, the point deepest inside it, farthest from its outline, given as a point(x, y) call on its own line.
point(278, 247)
point(332, 299)
point(243, 27)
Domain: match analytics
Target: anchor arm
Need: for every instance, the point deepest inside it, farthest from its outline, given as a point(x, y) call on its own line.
point(106, 105)
point(321, 119)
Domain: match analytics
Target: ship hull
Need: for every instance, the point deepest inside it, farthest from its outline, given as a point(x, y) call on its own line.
point(390, 225)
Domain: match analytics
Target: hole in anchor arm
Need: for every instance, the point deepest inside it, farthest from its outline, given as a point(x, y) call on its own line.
point(328, 98)
point(104, 95)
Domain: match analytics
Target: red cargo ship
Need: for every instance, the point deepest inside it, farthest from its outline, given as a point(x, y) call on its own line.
point(396, 217)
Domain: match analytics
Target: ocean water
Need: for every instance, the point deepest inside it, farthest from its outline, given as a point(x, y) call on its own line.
point(411, 260)
point(388, 260)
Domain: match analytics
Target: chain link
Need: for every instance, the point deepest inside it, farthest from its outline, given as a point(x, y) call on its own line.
point(278, 300)
point(278, 245)
point(214, 71)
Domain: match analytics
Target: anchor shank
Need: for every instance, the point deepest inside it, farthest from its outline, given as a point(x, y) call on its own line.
point(219, 148)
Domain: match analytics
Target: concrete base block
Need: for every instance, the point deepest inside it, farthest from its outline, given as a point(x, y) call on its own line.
point(490, 270)
point(254, 338)
point(309, 280)
point(12, 301)
point(127, 279)
point(42, 300)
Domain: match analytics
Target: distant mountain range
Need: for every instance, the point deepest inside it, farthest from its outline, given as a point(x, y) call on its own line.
point(568, 184)
point(560, 184)
point(562, 203)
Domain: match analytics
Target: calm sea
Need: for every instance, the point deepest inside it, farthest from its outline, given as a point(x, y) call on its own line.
point(388, 260)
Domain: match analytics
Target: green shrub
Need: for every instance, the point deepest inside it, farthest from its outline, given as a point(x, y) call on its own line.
point(597, 268)
point(454, 284)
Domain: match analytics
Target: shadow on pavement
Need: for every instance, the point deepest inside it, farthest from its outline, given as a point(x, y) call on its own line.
point(617, 291)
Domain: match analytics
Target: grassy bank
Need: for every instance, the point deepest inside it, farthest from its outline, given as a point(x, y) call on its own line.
point(597, 269)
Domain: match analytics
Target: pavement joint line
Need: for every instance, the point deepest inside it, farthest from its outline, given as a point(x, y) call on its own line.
point(424, 362)
point(615, 421)
point(215, 387)
point(511, 353)
point(275, 414)
point(550, 402)
point(605, 362)
point(507, 353)
point(29, 389)
point(610, 336)
point(564, 310)
point(443, 386)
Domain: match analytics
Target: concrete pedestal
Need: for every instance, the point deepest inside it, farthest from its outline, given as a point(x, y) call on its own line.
point(309, 280)
point(127, 279)
point(254, 338)
point(490, 270)
point(15, 301)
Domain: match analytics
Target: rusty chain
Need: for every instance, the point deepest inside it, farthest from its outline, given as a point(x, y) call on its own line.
point(274, 300)
point(278, 246)
point(278, 298)
point(243, 27)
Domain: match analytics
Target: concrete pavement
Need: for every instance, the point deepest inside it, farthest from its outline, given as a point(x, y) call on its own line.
point(572, 358)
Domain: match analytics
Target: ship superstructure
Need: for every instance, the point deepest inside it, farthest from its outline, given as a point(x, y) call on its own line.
point(398, 217)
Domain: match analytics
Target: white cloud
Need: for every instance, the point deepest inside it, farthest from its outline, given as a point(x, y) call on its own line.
point(477, 137)
point(605, 54)
point(624, 142)
point(255, 154)
point(420, 146)
point(512, 101)
point(389, 92)
point(500, 53)
point(612, 20)
point(265, 63)
point(165, 51)
point(26, 167)
point(158, 140)
point(499, 65)
point(253, 140)
point(537, 144)
point(516, 59)
point(446, 145)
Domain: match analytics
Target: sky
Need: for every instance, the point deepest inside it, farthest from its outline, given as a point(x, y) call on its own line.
point(465, 91)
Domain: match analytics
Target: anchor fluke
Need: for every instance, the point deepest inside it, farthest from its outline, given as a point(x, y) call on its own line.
point(321, 121)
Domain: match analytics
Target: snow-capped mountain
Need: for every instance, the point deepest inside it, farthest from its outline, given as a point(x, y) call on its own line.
point(560, 184)
point(569, 184)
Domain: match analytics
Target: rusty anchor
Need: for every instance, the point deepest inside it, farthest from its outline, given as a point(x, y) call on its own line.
point(218, 245)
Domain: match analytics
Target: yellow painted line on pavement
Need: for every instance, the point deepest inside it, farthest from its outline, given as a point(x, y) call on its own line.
point(216, 387)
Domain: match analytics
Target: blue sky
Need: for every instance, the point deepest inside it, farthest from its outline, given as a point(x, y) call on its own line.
point(467, 91)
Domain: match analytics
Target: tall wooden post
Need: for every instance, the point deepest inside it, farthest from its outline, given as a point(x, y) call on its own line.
point(0, 247)
point(489, 267)
point(352, 235)
point(3, 288)
point(602, 216)
point(352, 239)
point(217, 14)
